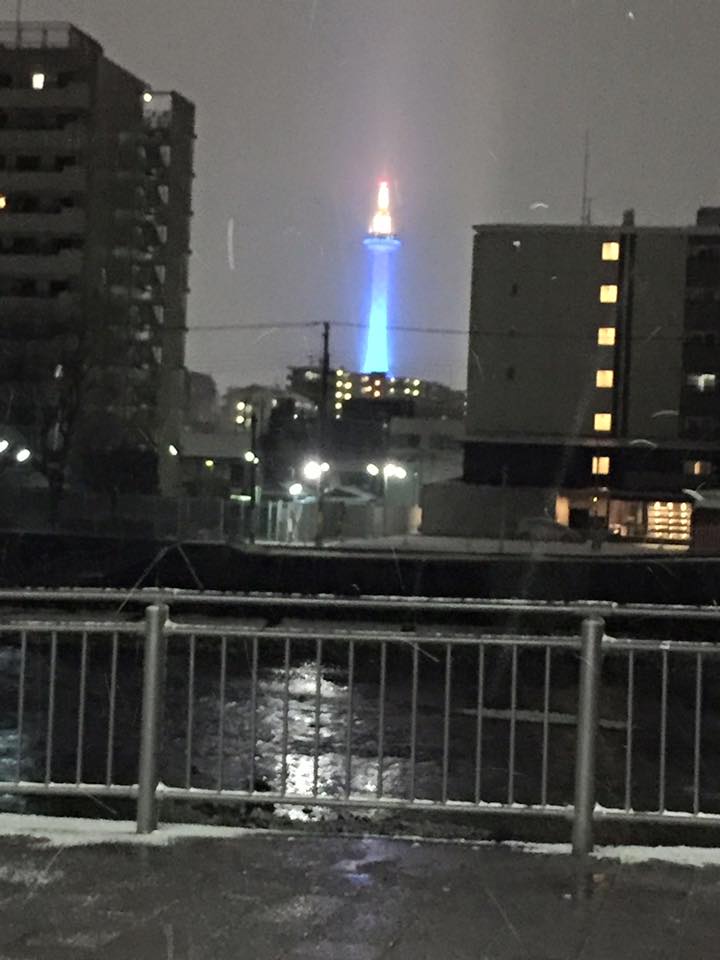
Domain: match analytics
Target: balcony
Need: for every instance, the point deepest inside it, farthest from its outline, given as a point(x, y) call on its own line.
point(67, 223)
point(72, 180)
point(58, 266)
point(70, 140)
point(76, 96)
point(61, 306)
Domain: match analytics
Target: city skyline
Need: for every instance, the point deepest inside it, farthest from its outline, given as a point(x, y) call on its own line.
point(480, 111)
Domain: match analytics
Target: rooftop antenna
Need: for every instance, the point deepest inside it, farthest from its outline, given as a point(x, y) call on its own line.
point(586, 209)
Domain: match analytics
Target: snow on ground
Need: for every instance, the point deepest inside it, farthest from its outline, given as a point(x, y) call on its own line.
point(71, 832)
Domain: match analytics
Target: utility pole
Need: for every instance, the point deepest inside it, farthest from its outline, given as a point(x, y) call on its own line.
point(324, 390)
point(253, 477)
point(322, 429)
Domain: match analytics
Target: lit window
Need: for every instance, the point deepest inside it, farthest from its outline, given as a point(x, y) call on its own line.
point(602, 422)
point(392, 389)
point(606, 336)
point(38, 81)
point(365, 379)
point(338, 394)
point(608, 293)
point(240, 405)
point(3, 201)
point(416, 383)
point(601, 466)
point(338, 384)
point(338, 406)
point(348, 396)
point(604, 378)
point(348, 385)
point(406, 390)
point(377, 383)
point(698, 468)
point(611, 250)
point(209, 464)
point(339, 372)
point(416, 393)
point(704, 382)
point(147, 97)
point(239, 419)
point(376, 393)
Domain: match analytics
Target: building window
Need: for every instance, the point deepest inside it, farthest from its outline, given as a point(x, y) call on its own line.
point(38, 81)
point(703, 382)
point(604, 378)
point(611, 250)
point(606, 336)
point(698, 468)
point(3, 201)
point(608, 293)
point(600, 466)
point(602, 422)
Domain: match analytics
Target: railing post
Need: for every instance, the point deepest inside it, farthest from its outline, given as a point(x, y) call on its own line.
point(592, 632)
point(152, 698)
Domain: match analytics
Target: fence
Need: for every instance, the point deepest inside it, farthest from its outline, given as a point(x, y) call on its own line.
point(583, 726)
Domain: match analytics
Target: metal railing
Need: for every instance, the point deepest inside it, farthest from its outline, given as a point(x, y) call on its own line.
point(584, 727)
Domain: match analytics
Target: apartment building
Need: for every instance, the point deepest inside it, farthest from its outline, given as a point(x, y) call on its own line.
point(95, 208)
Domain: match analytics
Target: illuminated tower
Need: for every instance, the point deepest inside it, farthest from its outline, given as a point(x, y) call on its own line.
point(381, 243)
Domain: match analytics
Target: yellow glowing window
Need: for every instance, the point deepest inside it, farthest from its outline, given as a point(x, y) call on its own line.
point(3, 201)
point(601, 466)
point(611, 250)
point(604, 378)
point(608, 293)
point(602, 422)
point(606, 336)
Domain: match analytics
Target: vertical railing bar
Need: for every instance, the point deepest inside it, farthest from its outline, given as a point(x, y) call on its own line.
point(111, 712)
point(546, 727)
point(253, 713)
point(81, 709)
point(221, 716)
point(446, 722)
point(663, 732)
point(479, 725)
point(21, 705)
point(286, 715)
point(513, 723)
point(350, 703)
point(318, 693)
point(51, 708)
point(630, 712)
point(698, 722)
point(413, 721)
point(381, 718)
point(190, 717)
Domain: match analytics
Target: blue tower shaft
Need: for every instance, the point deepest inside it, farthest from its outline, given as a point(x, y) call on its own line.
point(377, 352)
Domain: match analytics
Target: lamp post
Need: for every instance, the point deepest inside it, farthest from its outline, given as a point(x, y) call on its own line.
point(314, 471)
point(389, 471)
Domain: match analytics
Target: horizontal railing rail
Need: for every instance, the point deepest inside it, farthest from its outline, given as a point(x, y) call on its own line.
point(584, 726)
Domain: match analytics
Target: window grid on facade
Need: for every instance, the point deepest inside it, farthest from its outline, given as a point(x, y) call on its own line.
point(608, 293)
point(604, 378)
point(611, 250)
point(601, 466)
point(606, 336)
point(602, 422)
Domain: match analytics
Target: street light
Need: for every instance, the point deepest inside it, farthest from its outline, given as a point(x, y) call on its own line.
point(373, 469)
point(313, 470)
point(249, 456)
point(295, 489)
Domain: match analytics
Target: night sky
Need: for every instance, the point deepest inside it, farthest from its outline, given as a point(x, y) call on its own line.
point(474, 109)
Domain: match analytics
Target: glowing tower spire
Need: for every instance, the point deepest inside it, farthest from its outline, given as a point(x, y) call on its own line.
point(381, 243)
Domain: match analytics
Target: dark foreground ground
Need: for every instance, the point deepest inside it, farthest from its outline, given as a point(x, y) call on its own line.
point(267, 897)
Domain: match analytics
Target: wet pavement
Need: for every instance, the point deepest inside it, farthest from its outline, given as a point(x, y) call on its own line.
point(268, 896)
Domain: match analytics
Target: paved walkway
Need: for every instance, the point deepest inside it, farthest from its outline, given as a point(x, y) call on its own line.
point(267, 897)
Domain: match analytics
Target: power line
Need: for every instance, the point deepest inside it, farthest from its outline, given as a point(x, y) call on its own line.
point(306, 324)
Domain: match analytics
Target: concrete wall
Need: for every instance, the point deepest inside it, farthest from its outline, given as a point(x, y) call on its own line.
point(457, 509)
point(534, 316)
point(656, 325)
